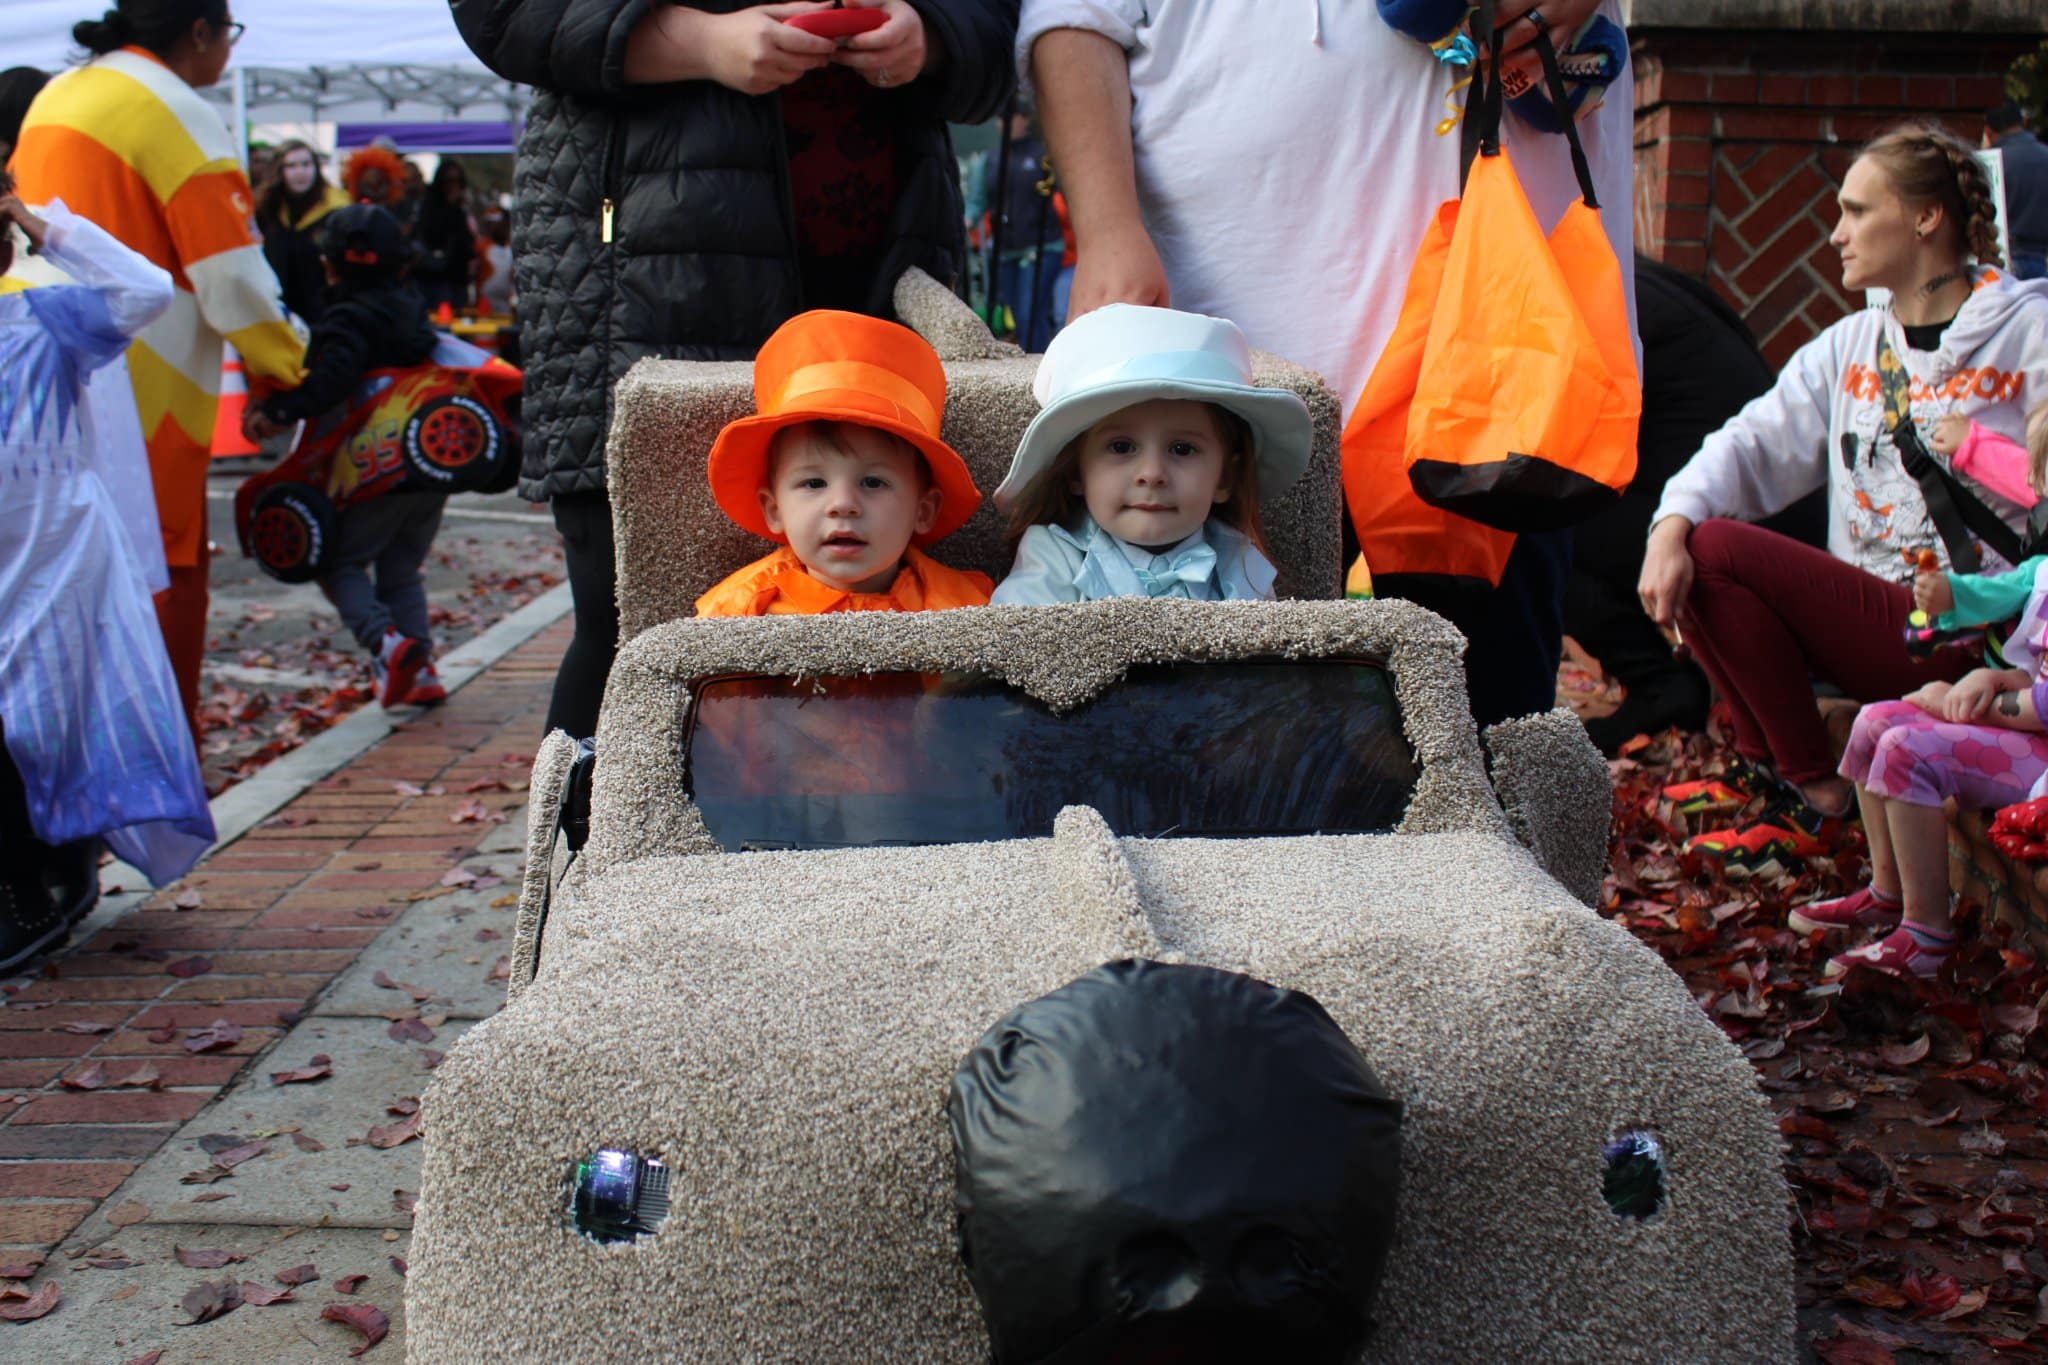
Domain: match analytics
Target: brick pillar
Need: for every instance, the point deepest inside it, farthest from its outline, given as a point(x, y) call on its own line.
point(1742, 137)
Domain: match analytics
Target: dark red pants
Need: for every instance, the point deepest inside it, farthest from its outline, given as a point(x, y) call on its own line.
point(1768, 616)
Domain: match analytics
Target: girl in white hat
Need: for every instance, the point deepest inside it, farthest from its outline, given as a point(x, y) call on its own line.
point(1143, 472)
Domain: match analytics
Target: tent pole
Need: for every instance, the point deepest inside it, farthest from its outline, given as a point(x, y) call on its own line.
point(241, 91)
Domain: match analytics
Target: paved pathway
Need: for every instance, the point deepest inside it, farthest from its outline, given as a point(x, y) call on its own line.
point(126, 1121)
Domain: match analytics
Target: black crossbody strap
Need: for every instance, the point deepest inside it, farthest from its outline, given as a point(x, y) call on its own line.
point(1956, 512)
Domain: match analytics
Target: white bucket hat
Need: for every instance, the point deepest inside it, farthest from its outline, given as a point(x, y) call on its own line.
point(1120, 355)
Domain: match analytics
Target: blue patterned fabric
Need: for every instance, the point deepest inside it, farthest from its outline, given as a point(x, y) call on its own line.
point(1216, 563)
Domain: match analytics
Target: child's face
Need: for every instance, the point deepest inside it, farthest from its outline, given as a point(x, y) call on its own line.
point(849, 514)
point(1152, 473)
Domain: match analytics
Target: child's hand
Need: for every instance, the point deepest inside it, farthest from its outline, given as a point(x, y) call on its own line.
point(257, 427)
point(1970, 700)
point(1950, 433)
point(1932, 593)
point(1933, 698)
point(12, 210)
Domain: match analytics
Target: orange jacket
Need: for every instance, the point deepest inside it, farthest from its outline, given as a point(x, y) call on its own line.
point(777, 585)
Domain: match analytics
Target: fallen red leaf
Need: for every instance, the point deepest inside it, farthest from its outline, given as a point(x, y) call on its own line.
point(220, 1033)
point(263, 1296)
point(1852, 1351)
point(2020, 1019)
point(19, 1272)
point(394, 1134)
point(349, 1284)
point(1930, 1295)
point(148, 1357)
point(320, 1065)
point(211, 1299)
point(371, 1322)
point(1903, 1055)
point(410, 1030)
point(82, 1026)
point(469, 812)
point(1874, 1292)
point(92, 1077)
point(18, 1307)
point(298, 1274)
point(206, 1258)
point(145, 1076)
point(235, 1156)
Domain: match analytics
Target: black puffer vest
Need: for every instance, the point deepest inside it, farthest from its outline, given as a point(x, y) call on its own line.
point(656, 220)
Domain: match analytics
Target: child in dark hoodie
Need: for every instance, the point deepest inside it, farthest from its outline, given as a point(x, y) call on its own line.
point(374, 319)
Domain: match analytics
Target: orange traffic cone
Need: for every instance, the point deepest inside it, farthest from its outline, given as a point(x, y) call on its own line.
point(234, 401)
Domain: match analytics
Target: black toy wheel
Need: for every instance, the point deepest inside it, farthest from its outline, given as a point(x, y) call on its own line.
point(291, 532)
point(454, 445)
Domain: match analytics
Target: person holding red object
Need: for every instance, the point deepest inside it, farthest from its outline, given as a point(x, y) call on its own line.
point(690, 178)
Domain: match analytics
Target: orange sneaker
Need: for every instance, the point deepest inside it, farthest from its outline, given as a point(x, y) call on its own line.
point(1737, 785)
point(1771, 844)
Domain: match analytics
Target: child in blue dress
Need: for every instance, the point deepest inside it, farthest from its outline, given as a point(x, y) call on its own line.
point(93, 738)
point(1143, 473)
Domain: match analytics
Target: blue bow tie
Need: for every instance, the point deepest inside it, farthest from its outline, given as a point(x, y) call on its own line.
point(1193, 566)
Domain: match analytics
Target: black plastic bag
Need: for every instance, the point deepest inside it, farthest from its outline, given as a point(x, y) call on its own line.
point(1170, 1163)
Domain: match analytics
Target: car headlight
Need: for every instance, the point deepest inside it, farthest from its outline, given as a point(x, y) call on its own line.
point(618, 1196)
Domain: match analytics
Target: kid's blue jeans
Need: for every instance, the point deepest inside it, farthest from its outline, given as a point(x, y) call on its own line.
point(390, 537)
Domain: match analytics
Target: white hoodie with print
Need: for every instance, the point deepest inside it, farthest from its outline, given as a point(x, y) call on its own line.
point(1822, 424)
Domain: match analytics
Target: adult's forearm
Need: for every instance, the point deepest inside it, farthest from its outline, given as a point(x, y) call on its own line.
point(1084, 102)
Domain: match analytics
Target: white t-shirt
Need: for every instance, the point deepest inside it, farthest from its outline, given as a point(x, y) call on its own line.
point(1287, 162)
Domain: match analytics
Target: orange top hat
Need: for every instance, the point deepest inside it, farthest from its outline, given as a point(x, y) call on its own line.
point(826, 366)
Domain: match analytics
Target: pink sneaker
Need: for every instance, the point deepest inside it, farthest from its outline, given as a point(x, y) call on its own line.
point(1896, 954)
point(1858, 910)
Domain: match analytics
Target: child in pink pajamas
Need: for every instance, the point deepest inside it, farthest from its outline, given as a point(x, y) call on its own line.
point(1979, 742)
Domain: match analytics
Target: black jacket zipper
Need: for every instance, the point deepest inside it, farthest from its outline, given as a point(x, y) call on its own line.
point(614, 152)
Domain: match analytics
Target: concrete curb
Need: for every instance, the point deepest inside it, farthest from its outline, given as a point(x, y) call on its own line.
point(242, 807)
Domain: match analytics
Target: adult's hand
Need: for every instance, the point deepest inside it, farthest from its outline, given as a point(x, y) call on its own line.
point(749, 50)
point(1119, 267)
point(1084, 100)
point(1667, 570)
point(894, 54)
point(1518, 31)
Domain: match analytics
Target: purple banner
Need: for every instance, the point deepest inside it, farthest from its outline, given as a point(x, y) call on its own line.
point(430, 137)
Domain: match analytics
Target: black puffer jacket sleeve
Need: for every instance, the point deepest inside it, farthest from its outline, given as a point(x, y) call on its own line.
point(979, 37)
point(572, 47)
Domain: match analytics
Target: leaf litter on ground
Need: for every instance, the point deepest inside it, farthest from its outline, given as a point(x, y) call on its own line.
point(1903, 1242)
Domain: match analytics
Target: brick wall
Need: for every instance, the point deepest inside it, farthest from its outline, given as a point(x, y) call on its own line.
point(1742, 138)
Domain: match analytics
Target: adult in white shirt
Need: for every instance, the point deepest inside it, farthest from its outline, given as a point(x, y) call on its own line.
point(1276, 164)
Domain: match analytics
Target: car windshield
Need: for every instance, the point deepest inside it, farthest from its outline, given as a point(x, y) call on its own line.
point(1212, 750)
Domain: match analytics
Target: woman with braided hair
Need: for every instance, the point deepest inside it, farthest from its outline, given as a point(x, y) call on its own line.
point(1853, 411)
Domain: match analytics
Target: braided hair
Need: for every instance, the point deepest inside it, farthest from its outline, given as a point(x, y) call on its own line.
point(1928, 164)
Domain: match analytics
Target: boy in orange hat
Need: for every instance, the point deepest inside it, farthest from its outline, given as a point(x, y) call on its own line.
point(843, 464)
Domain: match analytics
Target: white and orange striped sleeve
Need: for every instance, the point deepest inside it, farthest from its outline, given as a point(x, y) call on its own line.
point(208, 218)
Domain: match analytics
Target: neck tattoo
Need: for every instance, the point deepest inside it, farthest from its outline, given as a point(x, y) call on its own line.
point(1942, 281)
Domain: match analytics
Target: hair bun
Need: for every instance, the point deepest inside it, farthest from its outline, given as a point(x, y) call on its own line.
point(104, 34)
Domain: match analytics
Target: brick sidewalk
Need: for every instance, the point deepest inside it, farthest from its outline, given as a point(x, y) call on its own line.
point(278, 914)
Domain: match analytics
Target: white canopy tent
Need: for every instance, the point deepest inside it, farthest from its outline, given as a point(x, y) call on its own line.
point(310, 61)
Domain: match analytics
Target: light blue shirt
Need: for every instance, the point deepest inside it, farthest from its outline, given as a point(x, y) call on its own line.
point(1216, 563)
